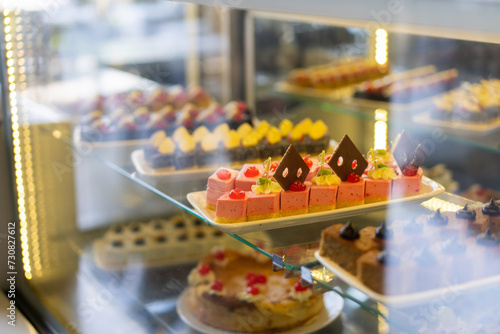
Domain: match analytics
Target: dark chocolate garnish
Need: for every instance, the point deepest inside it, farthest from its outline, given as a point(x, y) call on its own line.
point(218, 234)
point(452, 246)
point(349, 232)
point(292, 162)
point(382, 232)
point(197, 222)
point(158, 226)
point(180, 224)
point(488, 239)
point(413, 226)
point(418, 156)
point(135, 228)
point(182, 237)
point(425, 258)
point(200, 235)
point(404, 150)
point(118, 229)
point(387, 258)
point(117, 243)
point(161, 239)
point(140, 242)
point(466, 213)
point(437, 218)
point(351, 156)
point(492, 208)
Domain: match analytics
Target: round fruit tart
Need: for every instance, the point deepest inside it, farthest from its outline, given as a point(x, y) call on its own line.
point(238, 292)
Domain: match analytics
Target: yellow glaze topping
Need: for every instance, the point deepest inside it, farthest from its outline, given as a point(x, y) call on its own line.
point(273, 135)
point(221, 131)
point(296, 133)
point(244, 129)
point(166, 146)
point(157, 137)
point(326, 180)
point(250, 140)
point(186, 144)
point(267, 188)
point(286, 126)
point(306, 125)
point(384, 173)
point(209, 143)
point(262, 129)
point(200, 133)
point(232, 140)
point(180, 133)
point(318, 130)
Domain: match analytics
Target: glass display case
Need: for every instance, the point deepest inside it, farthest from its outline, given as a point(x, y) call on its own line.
point(127, 127)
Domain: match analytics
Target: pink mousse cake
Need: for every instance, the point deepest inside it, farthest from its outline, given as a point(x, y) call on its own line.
point(407, 185)
point(263, 206)
point(296, 200)
point(218, 184)
point(232, 207)
point(248, 176)
point(377, 190)
point(351, 193)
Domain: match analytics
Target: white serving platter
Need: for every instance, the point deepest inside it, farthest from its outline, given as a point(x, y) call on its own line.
point(428, 189)
point(333, 308)
point(472, 128)
point(405, 300)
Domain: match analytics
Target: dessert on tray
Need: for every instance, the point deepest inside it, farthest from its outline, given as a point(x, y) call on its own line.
point(236, 292)
point(224, 145)
point(420, 253)
point(297, 185)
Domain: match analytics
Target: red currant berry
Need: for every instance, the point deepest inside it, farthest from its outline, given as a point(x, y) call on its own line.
point(261, 278)
point(410, 170)
point(297, 186)
point(249, 275)
point(252, 280)
point(298, 287)
point(217, 285)
point(237, 194)
point(223, 174)
point(353, 178)
point(253, 290)
point(252, 171)
point(308, 161)
point(220, 255)
point(203, 269)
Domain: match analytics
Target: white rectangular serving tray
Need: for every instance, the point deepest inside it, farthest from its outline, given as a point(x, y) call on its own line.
point(428, 189)
point(405, 300)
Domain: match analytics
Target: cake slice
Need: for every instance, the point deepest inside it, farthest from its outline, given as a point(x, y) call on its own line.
point(343, 244)
point(382, 272)
point(296, 200)
point(231, 207)
point(218, 184)
point(351, 192)
point(323, 193)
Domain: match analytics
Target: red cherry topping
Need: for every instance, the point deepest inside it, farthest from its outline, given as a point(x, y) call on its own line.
point(252, 280)
point(217, 285)
point(353, 178)
point(223, 174)
point(220, 255)
point(274, 165)
point(298, 287)
point(203, 269)
point(297, 186)
point(241, 106)
point(249, 275)
point(252, 171)
point(308, 161)
point(261, 278)
point(410, 170)
point(253, 290)
point(237, 194)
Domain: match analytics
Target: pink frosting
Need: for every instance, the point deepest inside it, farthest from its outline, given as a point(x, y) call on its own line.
point(213, 196)
point(295, 200)
point(231, 208)
point(351, 191)
point(323, 195)
point(245, 183)
point(407, 185)
point(263, 203)
point(215, 183)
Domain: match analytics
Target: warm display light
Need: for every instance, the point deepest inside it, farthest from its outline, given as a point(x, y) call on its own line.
point(381, 46)
point(380, 129)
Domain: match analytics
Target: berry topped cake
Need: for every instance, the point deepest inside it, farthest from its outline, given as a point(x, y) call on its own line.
point(235, 292)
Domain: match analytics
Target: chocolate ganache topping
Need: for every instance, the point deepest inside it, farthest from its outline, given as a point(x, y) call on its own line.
point(387, 258)
point(349, 232)
point(382, 232)
point(488, 239)
point(437, 218)
point(413, 226)
point(466, 213)
point(452, 246)
point(425, 258)
point(492, 208)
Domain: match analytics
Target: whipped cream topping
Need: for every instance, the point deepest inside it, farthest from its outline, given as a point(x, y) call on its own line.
point(248, 297)
point(301, 296)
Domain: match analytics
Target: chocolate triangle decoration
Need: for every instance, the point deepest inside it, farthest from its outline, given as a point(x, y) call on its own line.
point(345, 157)
point(291, 168)
point(406, 154)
